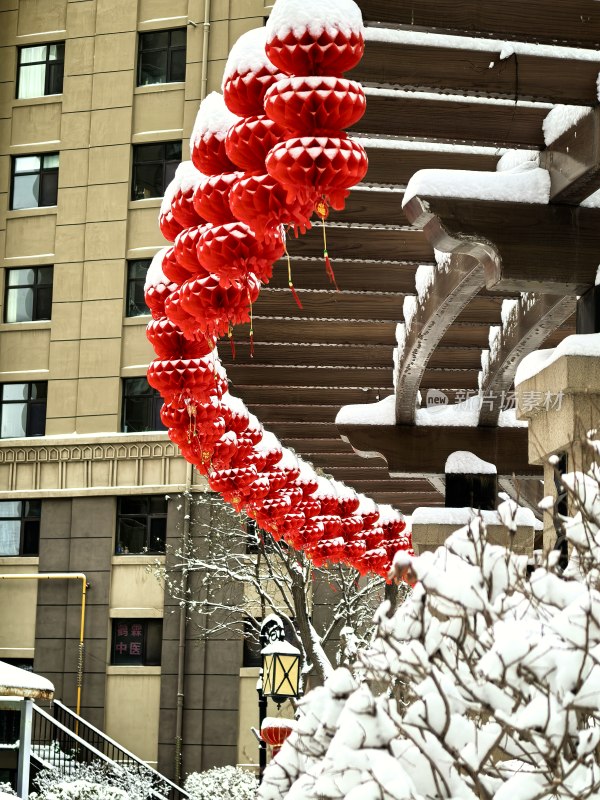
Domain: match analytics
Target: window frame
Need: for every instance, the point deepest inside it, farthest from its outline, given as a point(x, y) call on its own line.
point(24, 518)
point(169, 165)
point(145, 660)
point(29, 402)
point(36, 286)
point(132, 282)
point(149, 516)
point(42, 173)
point(153, 416)
point(47, 61)
point(170, 51)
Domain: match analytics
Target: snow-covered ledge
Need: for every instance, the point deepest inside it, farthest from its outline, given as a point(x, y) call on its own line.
point(558, 392)
point(432, 526)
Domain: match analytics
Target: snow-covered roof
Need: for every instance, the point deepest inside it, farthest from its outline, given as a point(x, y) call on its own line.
point(16, 682)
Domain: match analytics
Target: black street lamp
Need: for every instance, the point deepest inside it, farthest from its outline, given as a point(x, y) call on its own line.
point(279, 676)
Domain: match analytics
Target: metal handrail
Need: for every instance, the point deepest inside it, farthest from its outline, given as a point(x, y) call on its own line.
point(80, 744)
point(125, 756)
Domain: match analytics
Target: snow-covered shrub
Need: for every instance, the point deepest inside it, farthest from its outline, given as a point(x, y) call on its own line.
point(484, 684)
point(93, 781)
point(222, 783)
point(6, 790)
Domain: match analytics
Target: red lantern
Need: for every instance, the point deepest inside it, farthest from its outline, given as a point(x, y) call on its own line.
point(248, 74)
point(261, 202)
point(315, 167)
point(169, 227)
point(179, 195)
point(308, 37)
point(315, 105)
point(174, 310)
point(169, 342)
point(249, 141)
point(179, 378)
point(172, 269)
point(215, 308)
point(207, 143)
point(185, 249)
point(231, 251)
point(275, 731)
point(211, 199)
point(157, 287)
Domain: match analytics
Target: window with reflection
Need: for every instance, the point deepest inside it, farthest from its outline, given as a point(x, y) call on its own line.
point(40, 70)
point(23, 409)
point(141, 524)
point(161, 56)
point(20, 527)
point(34, 181)
point(136, 278)
point(28, 294)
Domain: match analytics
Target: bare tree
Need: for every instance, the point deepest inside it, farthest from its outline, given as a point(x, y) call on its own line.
point(239, 574)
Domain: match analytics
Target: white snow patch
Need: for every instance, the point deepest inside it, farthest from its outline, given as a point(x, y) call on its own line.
point(248, 55)
point(16, 682)
point(462, 461)
point(515, 158)
point(462, 516)
point(593, 201)
point(398, 143)
point(213, 119)
point(298, 16)
point(186, 179)
point(453, 98)
point(586, 344)
point(409, 309)
point(525, 184)
point(380, 413)
point(560, 119)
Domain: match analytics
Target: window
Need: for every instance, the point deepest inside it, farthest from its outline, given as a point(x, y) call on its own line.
point(20, 527)
point(141, 407)
point(22, 409)
point(136, 642)
point(141, 524)
point(41, 69)
point(28, 294)
point(136, 277)
point(252, 656)
point(34, 181)
point(154, 168)
point(161, 57)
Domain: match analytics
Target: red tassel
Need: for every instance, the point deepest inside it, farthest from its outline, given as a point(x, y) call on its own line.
point(232, 343)
point(330, 271)
point(295, 295)
point(251, 344)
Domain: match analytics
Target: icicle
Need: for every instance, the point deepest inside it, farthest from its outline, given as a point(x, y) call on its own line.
point(322, 210)
point(231, 341)
point(289, 263)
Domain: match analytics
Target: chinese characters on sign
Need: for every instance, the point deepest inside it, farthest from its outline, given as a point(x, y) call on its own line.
point(128, 643)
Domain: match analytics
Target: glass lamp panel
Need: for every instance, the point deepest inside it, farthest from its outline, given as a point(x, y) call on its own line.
point(268, 674)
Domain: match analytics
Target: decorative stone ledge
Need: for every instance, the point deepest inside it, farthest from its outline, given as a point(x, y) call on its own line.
point(111, 463)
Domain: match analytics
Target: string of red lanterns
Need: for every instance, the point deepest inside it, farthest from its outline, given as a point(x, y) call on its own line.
point(265, 156)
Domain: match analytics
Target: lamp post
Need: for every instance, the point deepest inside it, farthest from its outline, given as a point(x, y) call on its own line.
point(279, 676)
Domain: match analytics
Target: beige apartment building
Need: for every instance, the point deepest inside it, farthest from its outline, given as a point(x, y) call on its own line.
point(98, 98)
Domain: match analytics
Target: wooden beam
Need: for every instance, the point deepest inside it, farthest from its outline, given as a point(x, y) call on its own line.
point(573, 161)
point(290, 376)
point(330, 304)
point(523, 247)
point(459, 68)
point(355, 276)
point(291, 329)
point(280, 395)
point(452, 289)
point(535, 318)
point(394, 165)
point(420, 450)
point(309, 355)
point(576, 22)
point(449, 117)
point(364, 243)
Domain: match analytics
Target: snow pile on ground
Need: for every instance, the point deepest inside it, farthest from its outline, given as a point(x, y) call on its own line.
point(485, 683)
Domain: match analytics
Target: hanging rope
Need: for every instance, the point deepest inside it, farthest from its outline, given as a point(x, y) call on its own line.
point(322, 209)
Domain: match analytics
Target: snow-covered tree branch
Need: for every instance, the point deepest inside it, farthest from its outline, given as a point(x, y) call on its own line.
point(484, 684)
point(238, 573)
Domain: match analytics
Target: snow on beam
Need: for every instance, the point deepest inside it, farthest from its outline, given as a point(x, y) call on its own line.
point(523, 247)
point(573, 155)
point(422, 450)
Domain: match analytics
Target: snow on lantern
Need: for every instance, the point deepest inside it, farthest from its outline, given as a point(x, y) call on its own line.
point(275, 731)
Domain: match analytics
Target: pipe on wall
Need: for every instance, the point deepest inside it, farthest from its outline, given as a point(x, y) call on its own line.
point(205, 43)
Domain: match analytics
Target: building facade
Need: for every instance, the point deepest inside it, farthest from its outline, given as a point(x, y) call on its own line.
point(98, 98)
